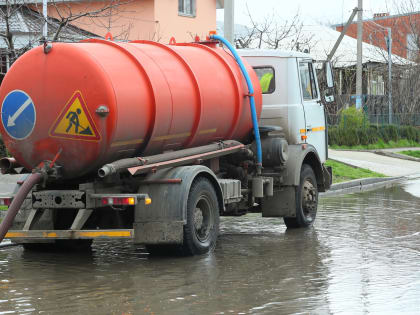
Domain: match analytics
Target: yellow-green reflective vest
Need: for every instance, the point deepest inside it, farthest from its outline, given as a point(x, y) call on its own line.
point(265, 81)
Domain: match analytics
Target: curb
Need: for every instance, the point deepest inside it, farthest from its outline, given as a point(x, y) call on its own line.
point(360, 185)
point(7, 243)
point(375, 150)
point(397, 156)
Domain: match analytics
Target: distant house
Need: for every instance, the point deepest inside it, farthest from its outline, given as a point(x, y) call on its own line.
point(26, 27)
point(156, 20)
point(405, 29)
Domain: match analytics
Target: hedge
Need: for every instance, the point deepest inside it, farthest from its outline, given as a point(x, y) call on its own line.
point(371, 135)
point(354, 129)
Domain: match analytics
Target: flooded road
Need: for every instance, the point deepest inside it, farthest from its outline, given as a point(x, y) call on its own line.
point(362, 256)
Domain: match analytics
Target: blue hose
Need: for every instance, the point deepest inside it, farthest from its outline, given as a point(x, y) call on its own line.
point(251, 95)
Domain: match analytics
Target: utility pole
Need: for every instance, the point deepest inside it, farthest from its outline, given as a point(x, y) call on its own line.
point(389, 42)
point(343, 32)
point(45, 14)
point(359, 75)
point(229, 21)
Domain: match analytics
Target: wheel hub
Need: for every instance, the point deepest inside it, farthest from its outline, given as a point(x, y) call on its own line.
point(309, 202)
point(198, 219)
point(203, 219)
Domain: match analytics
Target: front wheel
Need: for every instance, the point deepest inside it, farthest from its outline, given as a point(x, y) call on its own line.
point(306, 200)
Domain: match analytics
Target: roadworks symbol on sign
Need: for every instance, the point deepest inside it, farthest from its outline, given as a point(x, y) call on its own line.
point(75, 122)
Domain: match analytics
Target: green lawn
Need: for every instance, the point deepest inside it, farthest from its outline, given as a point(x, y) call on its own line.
point(379, 145)
point(3, 208)
point(412, 153)
point(343, 172)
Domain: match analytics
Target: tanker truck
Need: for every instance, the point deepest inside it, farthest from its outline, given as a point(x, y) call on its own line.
point(153, 142)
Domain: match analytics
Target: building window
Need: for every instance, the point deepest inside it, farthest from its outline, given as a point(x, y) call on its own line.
point(412, 47)
point(4, 63)
point(187, 7)
point(307, 81)
point(266, 78)
point(377, 85)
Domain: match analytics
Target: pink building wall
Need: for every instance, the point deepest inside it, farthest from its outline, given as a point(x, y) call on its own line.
point(156, 20)
point(184, 28)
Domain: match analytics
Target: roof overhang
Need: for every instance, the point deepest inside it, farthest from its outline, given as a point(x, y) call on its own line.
point(220, 4)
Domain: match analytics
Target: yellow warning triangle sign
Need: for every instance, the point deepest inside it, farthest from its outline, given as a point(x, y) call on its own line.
point(75, 122)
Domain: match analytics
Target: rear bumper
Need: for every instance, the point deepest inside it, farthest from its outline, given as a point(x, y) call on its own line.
point(71, 234)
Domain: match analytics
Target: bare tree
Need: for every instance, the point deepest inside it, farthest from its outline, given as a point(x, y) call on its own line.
point(9, 12)
point(104, 14)
point(16, 15)
point(275, 33)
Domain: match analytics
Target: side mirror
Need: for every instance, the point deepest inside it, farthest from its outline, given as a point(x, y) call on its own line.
point(329, 74)
point(329, 78)
point(329, 98)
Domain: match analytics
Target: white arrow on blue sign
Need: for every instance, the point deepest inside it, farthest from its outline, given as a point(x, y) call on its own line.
point(18, 114)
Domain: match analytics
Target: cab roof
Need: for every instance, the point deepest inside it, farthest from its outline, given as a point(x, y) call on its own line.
point(272, 53)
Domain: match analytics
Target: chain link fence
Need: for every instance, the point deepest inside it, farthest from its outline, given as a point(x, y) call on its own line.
point(376, 111)
point(399, 119)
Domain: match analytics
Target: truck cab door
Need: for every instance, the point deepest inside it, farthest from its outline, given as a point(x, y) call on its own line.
point(315, 131)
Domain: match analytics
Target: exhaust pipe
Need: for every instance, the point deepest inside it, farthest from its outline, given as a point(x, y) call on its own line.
point(8, 164)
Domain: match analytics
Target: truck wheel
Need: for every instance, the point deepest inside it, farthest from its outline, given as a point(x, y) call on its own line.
point(306, 200)
point(202, 228)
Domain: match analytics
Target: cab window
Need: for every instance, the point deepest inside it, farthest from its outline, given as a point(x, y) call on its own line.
point(266, 76)
point(307, 81)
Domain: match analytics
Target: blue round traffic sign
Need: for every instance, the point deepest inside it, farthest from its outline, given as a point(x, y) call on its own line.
point(18, 114)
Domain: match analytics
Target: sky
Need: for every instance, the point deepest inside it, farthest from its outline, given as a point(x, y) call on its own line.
point(311, 11)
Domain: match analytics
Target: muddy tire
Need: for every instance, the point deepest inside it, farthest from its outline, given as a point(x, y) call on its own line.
point(306, 200)
point(202, 228)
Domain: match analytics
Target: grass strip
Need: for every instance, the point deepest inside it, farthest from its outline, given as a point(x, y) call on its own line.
point(403, 143)
point(3, 208)
point(413, 153)
point(343, 172)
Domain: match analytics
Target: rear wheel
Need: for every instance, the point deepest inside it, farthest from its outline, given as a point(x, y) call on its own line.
point(306, 200)
point(202, 227)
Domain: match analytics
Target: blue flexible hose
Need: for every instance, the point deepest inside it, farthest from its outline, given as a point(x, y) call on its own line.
point(251, 94)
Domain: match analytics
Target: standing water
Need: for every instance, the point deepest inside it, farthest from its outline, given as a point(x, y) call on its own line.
point(362, 256)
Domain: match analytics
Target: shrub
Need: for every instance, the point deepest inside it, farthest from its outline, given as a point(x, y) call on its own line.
point(379, 136)
point(389, 133)
point(352, 118)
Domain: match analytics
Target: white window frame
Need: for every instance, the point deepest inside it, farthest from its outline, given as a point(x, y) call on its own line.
point(412, 49)
point(183, 5)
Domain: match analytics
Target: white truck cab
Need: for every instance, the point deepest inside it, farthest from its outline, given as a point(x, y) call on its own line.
point(292, 100)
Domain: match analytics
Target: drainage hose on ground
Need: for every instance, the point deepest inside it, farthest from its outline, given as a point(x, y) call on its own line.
point(251, 96)
point(17, 202)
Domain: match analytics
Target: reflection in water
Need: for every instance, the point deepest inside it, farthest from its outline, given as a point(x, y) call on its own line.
point(413, 187)
point(361, 257)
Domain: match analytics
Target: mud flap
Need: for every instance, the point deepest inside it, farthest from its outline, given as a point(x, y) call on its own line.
point(282, 204)
point(327, 171)
point(158, 232)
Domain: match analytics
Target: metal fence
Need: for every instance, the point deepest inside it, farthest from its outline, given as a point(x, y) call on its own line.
point(375, 108)
point(408, 119)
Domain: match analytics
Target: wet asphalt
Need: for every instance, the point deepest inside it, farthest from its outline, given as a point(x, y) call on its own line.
point(361, 257)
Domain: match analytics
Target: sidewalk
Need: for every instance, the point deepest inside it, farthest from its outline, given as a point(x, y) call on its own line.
point(378, 163)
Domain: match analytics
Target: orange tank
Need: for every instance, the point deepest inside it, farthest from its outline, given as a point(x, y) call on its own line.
point(98, 101)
